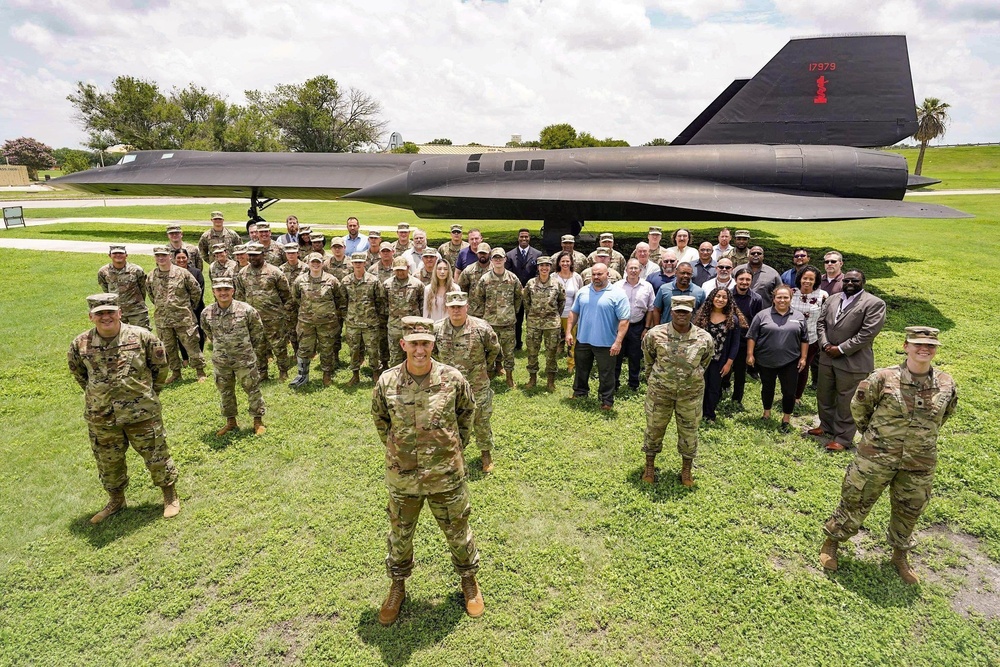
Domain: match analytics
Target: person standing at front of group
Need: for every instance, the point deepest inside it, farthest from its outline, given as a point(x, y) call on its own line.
point(544, 298)
point(128, 281)
point(777, 345)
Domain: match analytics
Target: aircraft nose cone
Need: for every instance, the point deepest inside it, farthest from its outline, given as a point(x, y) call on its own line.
point(383, 190)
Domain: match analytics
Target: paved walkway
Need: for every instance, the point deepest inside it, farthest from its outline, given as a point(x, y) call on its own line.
point(100, 247)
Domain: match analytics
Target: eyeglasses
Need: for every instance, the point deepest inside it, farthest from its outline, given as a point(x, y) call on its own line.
point(799, 256)
point(831, 261)
point(669, 261)
point(724, 268)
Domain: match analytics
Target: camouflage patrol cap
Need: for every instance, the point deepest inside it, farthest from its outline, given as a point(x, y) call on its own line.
point(217, 215)
point(544, 260)
point(314, 257)
point(222, 282)
point(359, 257)
point(337, 240)
point(429, 252)
point(456, 228)
point(173, 228)
point(418, 328)
point(313, 238)
point(374, 234)
point(568, 238)
point(922, 335)
point(403, 227)
point(103, 301)
point(263, 226)
point(681, 302)
point(254, 248)
point(742, 234)
point(161, 250)
point(240, 249)
point(483, 247)
point(607, 236)
point(456, 298)
point(400, 263)
point(655, 230)
point(305, 229)
point(117, 248)
point(497, 252)
point(602, 252)
point(219, 247)
point(385, 245)
point(290, 247)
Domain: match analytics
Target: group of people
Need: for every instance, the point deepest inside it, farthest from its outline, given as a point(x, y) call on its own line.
point(437, 325)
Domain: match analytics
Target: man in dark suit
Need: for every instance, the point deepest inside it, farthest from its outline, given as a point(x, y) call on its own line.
point(522, 261)
point(848, 324)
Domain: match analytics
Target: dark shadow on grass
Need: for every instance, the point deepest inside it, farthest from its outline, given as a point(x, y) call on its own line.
point(116, 526)
point(420, 624)
point(213, 441)
point(668, 481)
point(875, 580)
point(589, 404)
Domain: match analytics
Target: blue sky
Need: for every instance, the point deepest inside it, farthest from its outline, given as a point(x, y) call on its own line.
point(478, 70)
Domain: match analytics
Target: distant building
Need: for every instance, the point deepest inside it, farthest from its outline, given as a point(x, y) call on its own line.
point(438, 149)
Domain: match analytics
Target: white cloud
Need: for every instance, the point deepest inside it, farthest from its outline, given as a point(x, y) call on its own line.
point(477, 70)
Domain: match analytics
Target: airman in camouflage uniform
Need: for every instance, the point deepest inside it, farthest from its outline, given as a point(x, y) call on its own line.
point(544, 299)
point(470, 345)
point(241, 257)
point(264, 287)
point(899, 412)
point(429, 259)
point(470, 275)
point(405, 294)
point(382, 269)
point(219, 233)
point(274, 253)
point(128, 281)
point(339, 266)
point(121, 369)
point(602, 256)
point(677, 354)
point(736, 253)
point(364, 323)
point(580, 261)
point(450, 249)
point(321, 303)
point(238, 341)
point(176, 294)
point(293, 268)
point(423, 411)
point(616, 260)
point(176, 236)
point(374, 245)
point(222, 267)
point(498, 296)
point(402, 243)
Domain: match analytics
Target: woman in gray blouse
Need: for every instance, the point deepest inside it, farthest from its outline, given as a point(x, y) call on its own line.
point(777, 346)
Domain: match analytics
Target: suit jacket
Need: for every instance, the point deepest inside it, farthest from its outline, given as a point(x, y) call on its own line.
point(524, 268)
point(854, 331)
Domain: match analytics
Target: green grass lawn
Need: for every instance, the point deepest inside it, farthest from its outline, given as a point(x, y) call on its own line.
point(277, 556)
point(958, 167)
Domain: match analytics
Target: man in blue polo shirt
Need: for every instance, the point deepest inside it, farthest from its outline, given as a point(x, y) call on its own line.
point(681, 286)
point(600, 314)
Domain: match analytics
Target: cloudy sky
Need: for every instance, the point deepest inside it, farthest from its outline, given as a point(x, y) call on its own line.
point(478, 70)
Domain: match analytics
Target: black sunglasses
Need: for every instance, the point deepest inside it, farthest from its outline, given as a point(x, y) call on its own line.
point(800, 256)
point(830, 261)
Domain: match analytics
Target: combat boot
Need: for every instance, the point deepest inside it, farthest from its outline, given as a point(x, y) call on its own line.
point(201, 375)
point(510, 379)
point(487, 460)
point(258, 426)
point(355, 378)
point(649, 474)
point(389, 612)
point(551, 386)
point(171, 503)
point(116, 503)
point(532, 381)
point(174, 377)
point(828, 554)
point(231, 425)
point(474, 606)
point(303, 377)
point(263, 371)
point(282, 374)
point(327, 378)
point(902, 565)
point(496, 368)
point(686, 472)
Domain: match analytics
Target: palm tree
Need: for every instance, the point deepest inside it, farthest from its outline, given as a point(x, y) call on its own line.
point(932, 120)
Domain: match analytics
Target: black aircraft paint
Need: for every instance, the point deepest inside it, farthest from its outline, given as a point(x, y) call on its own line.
point(792, 143)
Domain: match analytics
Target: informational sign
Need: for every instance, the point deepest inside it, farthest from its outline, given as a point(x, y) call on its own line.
point(13, 216)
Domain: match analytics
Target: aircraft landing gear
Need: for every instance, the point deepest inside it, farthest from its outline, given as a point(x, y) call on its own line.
point(257, 204)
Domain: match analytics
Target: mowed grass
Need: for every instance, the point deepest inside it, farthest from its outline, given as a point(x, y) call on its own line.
point(958, 167)
point(277, 556)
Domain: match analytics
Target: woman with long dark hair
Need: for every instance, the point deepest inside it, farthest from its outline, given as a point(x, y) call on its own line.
point(564, 270)
point(777, 346)
point(723, 321)
point(808, 299)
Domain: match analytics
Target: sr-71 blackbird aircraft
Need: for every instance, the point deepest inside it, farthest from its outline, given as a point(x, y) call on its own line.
point(792, 143)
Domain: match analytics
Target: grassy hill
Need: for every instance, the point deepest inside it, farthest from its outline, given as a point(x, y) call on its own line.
point(958, 167)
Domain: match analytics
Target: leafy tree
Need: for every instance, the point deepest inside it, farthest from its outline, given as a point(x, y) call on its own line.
point(439, 142)
point(407, 147)
point(535, 143)
point(561, 135)
point(249, 129)
point(932, 121)
point(319, 116)
point(73, 159)
point(133, 112)
point(659, 141)
point(31, 153)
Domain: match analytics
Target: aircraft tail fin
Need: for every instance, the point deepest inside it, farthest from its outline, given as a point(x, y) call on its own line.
point(845, 90)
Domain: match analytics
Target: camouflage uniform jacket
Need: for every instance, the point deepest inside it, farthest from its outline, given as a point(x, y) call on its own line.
point(211, 237)
point(580, 262)
point(366, 301)
point(129, 283)
point(237, 334)
point(292, 273)
point(616, 261)
point(899, 416)
point(738, 256)
point(472, 349)
point(543, 303)
point(654, 255)
point(497, 297)
point(405, 297)
point(424, 426)
point(398, 248)
point(319, 300)
point(339, 269)
point(380, 271)
point(194, 254)
point(175, 294)
point(450, 252)
point(122, 377)
point(677, 361)
point(470, 275)
point(424, 276)
point(613, 276)
point(275, 254)
point(266, 289)
point(372, 258)
point(227, 270)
